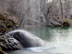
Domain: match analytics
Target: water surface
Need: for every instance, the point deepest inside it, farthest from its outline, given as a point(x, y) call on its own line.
point(59, 41)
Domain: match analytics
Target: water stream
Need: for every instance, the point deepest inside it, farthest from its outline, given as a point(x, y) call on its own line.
point(59, 41)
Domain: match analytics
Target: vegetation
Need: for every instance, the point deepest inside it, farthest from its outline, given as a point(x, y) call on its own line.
point(66, 22)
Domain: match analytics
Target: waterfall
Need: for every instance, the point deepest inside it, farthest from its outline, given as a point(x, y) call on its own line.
point(26, 39)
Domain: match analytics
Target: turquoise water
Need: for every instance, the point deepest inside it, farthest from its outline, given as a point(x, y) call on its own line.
point(59, 41)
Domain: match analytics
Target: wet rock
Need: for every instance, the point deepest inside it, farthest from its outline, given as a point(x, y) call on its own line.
point(1, 51)
point(8, 43)
point(3, 29)
point(19, 39)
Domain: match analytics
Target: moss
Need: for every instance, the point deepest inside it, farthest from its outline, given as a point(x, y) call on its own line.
point(66, 22)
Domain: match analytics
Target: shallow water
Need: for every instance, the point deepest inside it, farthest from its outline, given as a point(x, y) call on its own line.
point(59, 41)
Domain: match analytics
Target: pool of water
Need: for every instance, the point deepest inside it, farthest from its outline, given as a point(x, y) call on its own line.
point(59, 41)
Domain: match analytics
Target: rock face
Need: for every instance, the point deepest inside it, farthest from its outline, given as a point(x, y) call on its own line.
point(6, 24)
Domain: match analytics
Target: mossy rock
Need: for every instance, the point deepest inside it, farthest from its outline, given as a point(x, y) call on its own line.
point(3, 16)
point(6, 24)
point(3, 28)
point(10, 24)
point(66, 22)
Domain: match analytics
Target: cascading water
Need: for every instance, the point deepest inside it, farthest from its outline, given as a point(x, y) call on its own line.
point(26, 39)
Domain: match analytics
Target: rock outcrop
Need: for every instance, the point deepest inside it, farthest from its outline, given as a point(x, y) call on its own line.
point(18, 39)
point(6, 24)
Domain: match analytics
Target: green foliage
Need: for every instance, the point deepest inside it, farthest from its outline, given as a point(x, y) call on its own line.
point(66, 20)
